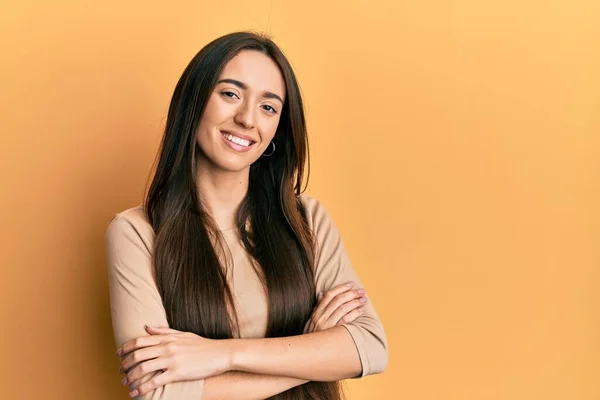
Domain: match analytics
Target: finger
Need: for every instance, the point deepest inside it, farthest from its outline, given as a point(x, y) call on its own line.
point(141, 342)
point(143, 369)
point(139, 356)
point(157, 330)
point(351, 316)
point(159, 380)
point(143, 379)
point(345, 309)
point(328, 296)
point(340, 299)
point(307, 326)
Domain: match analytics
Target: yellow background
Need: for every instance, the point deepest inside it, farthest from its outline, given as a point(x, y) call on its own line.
point(456, 144)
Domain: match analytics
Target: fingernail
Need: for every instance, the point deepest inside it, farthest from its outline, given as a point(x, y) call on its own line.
point(119, 352)
point(134, 393)
point(363, 299)
point(124, 381)
point(361, 291)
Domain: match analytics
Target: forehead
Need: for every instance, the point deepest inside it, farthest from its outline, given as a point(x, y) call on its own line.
point(257, 70)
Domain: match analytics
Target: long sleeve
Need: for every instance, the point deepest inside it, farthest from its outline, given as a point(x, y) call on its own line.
point(333, 267)
point(134, 297)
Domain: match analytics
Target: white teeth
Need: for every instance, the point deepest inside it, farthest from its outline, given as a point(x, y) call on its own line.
point(237, 140)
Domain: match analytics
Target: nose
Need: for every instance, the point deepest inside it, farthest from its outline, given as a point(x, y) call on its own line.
point(245, 116)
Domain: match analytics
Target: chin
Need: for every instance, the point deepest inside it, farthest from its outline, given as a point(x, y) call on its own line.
point(224, 160)
point(235, 168)
point(232, 164)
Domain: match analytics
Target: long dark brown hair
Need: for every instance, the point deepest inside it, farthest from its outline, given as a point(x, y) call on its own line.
point(271, 221)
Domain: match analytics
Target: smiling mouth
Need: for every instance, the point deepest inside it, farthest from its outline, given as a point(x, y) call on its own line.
point(237, 140)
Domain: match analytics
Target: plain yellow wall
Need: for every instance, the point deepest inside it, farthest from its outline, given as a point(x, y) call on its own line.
point(456, 144)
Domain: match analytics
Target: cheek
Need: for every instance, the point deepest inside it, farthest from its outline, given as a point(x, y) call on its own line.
point(215, 113)
point(268, 129)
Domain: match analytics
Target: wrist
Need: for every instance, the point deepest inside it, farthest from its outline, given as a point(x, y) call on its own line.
point(232, 351)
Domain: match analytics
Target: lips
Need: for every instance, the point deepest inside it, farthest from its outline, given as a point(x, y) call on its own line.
point(237, 138)
point(237, 142)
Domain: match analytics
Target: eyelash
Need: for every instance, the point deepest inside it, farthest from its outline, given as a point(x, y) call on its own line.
point(271, 109)
point(225, 93)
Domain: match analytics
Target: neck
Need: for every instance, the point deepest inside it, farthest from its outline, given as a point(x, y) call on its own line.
point(221, 193)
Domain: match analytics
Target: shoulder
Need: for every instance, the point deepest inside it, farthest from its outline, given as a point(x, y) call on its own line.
point(131, 224)
point(312, 207)
point(317, 215)
point(134, 217)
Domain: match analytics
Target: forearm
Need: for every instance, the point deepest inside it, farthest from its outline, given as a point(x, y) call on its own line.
point(236, 385)
point(328, 355)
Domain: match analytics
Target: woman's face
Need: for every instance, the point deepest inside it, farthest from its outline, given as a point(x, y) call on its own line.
point(242, 113)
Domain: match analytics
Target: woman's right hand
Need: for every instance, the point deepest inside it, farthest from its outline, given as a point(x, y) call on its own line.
point(337, 306)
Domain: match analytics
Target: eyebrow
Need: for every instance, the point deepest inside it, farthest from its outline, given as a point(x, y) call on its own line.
point(243, 86)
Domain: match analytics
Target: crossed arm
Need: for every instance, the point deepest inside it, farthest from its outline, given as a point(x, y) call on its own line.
point(281, 363)
point(248, 357)
point(259, 368)
point(227, 386)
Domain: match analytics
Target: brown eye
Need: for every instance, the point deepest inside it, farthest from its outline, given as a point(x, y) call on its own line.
point(230, 95)
point(270, 109)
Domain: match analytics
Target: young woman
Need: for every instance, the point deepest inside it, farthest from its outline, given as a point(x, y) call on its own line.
point(228, 283)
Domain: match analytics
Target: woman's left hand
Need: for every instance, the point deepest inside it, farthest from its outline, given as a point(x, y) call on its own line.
point(182, 356)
